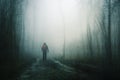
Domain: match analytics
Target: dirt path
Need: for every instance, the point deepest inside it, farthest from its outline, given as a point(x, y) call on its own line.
point(52, 70)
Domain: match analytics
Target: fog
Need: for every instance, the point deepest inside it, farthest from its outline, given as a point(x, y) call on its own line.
point(76, 31)
point(59, 23)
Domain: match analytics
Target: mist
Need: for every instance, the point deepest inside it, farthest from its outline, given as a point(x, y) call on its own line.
point(56, 21)
point(79, 33)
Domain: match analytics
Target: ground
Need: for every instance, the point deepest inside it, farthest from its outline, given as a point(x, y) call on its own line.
point(53, 70)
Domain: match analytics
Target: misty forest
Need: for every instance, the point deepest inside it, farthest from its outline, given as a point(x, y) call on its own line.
point(83, 39)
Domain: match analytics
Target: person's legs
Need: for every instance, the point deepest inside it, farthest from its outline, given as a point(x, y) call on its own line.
point(43, 56)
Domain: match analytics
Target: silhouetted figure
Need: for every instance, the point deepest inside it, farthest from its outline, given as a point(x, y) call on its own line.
point(44, 50)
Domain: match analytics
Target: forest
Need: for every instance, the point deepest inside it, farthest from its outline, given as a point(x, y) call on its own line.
point(78, 32)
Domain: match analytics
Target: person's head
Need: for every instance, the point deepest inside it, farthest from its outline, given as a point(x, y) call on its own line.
point(44, 43)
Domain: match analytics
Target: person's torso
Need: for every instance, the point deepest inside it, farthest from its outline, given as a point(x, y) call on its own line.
point(44, 47)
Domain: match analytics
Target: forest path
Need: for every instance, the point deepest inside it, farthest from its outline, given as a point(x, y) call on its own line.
point(52, 70)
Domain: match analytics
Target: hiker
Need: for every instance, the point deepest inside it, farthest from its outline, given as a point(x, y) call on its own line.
point(44, 49)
